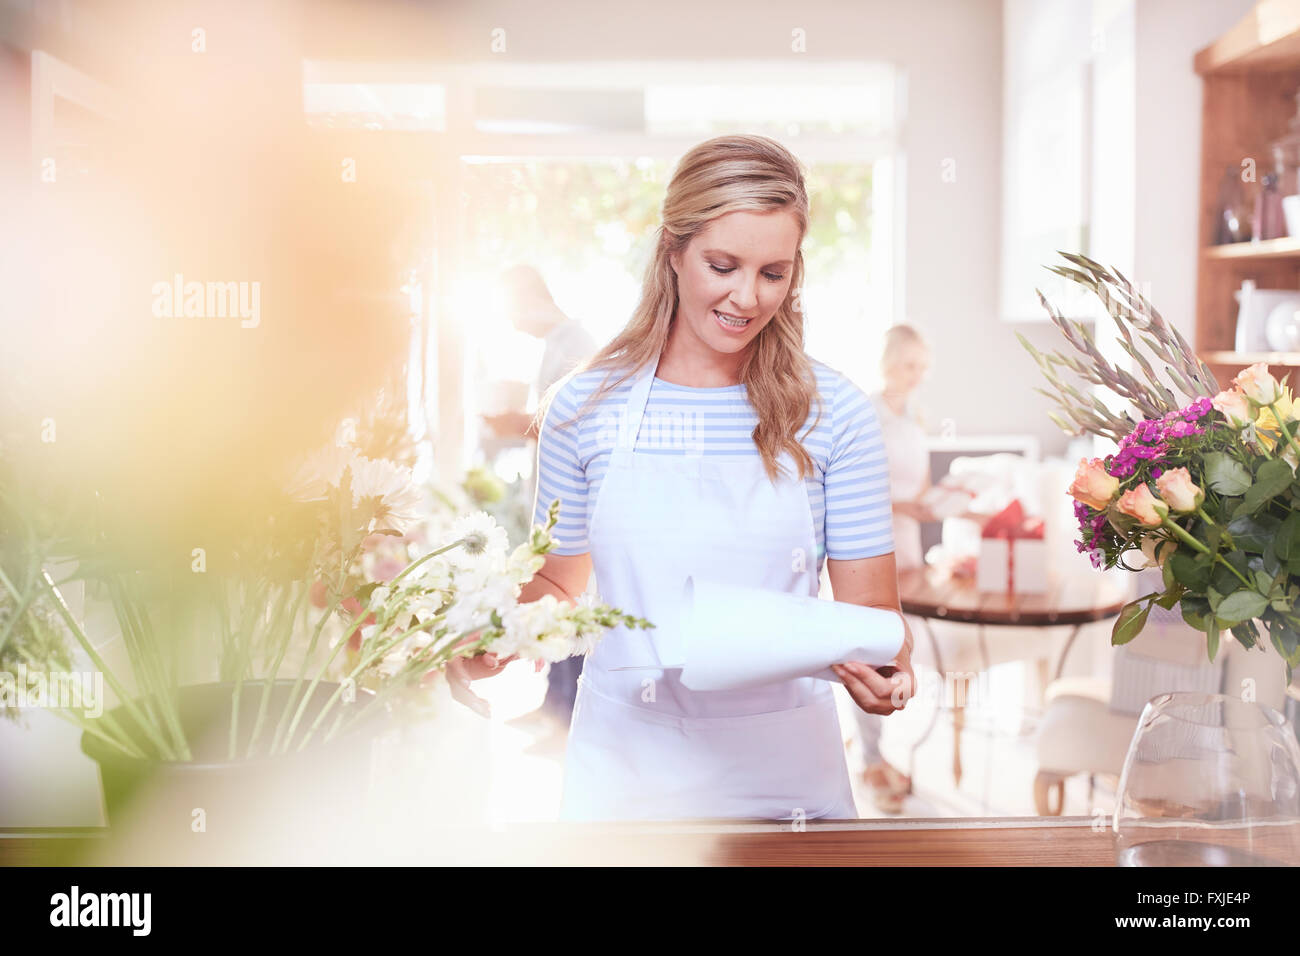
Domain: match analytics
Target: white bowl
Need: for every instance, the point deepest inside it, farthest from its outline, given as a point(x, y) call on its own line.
point(1291, 213)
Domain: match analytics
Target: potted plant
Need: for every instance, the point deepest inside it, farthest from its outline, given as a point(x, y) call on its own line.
point(266, 667)
point(1203, 486)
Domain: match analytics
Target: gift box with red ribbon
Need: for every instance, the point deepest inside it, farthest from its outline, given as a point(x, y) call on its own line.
point(1013, 553)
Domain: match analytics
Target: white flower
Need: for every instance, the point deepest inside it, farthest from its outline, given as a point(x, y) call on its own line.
point(393, 662)
point(464, 616)
point(390, 490)
point(538, 630)
point(473, 607)
point(434, 575)
point(320, 472)
point(523, 564)
point(485, 542)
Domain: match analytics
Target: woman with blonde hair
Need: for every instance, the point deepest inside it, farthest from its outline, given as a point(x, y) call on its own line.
point(703, 441)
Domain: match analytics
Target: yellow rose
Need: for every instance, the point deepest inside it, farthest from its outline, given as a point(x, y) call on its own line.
point(1266, 424)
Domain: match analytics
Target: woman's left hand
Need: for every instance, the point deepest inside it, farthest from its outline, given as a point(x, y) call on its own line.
point(881, 690)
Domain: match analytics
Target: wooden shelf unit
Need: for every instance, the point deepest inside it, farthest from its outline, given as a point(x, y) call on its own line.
point(1250, 77)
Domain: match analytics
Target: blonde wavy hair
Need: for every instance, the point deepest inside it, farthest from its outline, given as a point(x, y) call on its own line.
point(719, 176)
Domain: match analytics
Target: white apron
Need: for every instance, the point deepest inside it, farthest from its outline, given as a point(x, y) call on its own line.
point(642, 745)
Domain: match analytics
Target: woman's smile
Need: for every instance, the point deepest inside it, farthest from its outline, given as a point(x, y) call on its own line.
point(732, 322)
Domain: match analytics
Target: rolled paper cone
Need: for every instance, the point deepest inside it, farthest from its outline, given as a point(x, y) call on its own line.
point(738, 637)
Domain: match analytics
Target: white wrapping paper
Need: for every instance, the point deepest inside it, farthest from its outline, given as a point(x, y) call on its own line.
point(737, 637)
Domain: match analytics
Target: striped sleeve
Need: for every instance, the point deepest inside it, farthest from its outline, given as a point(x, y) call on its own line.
point(560, 474)
point(859, 519)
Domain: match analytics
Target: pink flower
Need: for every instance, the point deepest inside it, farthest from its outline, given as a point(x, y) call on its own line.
point(1139, 503)
point(1178, 490)
point(1092, 485)
point(1258, 385)
point(1234, 406)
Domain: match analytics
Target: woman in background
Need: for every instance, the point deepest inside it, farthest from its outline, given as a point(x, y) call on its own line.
point(904, 363)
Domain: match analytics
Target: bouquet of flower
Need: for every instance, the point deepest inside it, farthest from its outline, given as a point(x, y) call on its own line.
point(405, 615)
point(1205, 489)
point(334, 581)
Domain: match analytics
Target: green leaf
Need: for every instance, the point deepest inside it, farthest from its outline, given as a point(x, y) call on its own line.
point(1225, 474)
point(1285, 640)
point(1187, 572)
point(1167, 574)
point(1212, 640)
point(1284, 603)
point(1214, 596)
point(1246, 634)
point(1241, 606)
point(1212, 533)
point(1132, 618)
point(1287, 540)
point(1170, 597)
point(1271, 480)
point(1254, 534)
point(1196, 605)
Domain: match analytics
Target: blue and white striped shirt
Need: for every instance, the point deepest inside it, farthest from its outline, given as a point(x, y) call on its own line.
point(848, 489)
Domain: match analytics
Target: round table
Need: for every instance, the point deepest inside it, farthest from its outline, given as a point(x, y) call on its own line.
point(931, 595)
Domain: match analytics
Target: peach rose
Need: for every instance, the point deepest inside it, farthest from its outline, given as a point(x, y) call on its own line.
point(1178, 490)
point(1258, 385)
point(1234, 406)
point(1092, 485)
point(1141, 504)
point(1155, 550)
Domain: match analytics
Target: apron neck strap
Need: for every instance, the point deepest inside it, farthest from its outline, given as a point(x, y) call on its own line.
point(630, 421)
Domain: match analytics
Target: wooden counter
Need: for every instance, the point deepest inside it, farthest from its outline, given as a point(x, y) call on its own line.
point(998, 841)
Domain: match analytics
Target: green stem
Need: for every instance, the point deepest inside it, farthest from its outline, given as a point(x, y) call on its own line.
point(243, 642)
point(1184, 536)
point(419, 561)
point(122, 742)
point(269, 680)
point(366, 661)
point(79, 636)
point(1210, 521)
point(311, 648)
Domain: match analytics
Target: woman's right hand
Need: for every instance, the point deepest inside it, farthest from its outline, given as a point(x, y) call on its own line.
point(462, 671)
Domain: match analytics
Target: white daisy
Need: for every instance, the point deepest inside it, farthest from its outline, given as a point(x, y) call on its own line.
point(387, 488)
point(320, 472)
point(484, 542)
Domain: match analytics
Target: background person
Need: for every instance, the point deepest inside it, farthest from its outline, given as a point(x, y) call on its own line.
point(904, 363)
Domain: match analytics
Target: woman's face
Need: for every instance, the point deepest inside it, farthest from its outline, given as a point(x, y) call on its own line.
point(908, 369)
point(739, 266)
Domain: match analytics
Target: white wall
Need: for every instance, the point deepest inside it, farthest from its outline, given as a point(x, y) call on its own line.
point(1169, 33)
point(951, 51)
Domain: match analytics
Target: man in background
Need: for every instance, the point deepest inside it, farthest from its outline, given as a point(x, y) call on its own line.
point(534, 312)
